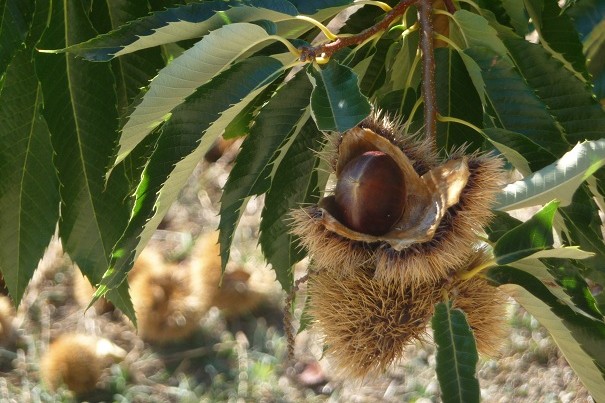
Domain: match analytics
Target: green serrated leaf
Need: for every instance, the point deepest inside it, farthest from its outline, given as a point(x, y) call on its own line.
point(196, 66)
point(15, 19)
point(456, 355)
point(540, 271)
point(132, 71)
point(568, 98)
point(336, 101)
point(474, 31)
point(558, 180)
point(294, 184)
point(582, 226)
point(274, 125)
point(524, 154)
point(29, 189)
point(528, 238)
point(456, 98)
point(515, 106)
point(80, 109)
point(579, 337)
point(557, 34)
point(177, 24)
point(184, 140)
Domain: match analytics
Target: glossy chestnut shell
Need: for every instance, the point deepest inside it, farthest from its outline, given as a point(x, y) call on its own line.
point(370, 193)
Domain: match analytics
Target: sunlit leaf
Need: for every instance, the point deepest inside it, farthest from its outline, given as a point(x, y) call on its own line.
point(251, 174)
point(532, 236)
point(183, 75)
point(579, 337)
point(558, 180)
point(456, 355)
point(176, 24)
point(184, 140)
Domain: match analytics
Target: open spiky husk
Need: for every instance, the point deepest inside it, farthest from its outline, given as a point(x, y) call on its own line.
point(429, 260)
point(457, 235)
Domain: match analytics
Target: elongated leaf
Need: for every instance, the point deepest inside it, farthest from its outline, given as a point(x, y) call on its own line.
point(313, 6)
point(474, 31)
point(532, 236)
point(336, 101)
point(80, 108)
point(579, 337)
point(557, 34)
point(29, 189)
point(582, 226)
point(516, 107)
point(525, 155)
point(176, 24)
point(132, 71)
point(456, 355)
point(456, 97)
point(588, 18)
point(180, 78)
point(569, 290)
point(558, 180)
point(519, 20)
point(250, 175)
point(295, 183)
point(184, 140)
point(15, 20)
point(568, 98)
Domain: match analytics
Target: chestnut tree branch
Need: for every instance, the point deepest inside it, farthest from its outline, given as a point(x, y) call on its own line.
point(425, 14)
point(326, 50)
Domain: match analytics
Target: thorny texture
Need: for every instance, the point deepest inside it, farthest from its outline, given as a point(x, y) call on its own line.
point(431, 261)
point(367, 322)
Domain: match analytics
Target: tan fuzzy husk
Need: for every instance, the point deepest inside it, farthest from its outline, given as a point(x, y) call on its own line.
point(235, 292)
point(486, 310)
point(365, 322)
point(148, 260)
point(448, 242)
point(77, 361)
point(7, 316)
point(166, 309)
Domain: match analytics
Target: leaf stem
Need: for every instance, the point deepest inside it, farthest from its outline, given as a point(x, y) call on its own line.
point(325, 51)
point(326, 31)
point(425, 11)
point(380, 4)
point(467, 275)
point(451, 119)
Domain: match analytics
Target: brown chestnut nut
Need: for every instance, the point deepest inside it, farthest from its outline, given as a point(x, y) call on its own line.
point(370, 193)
